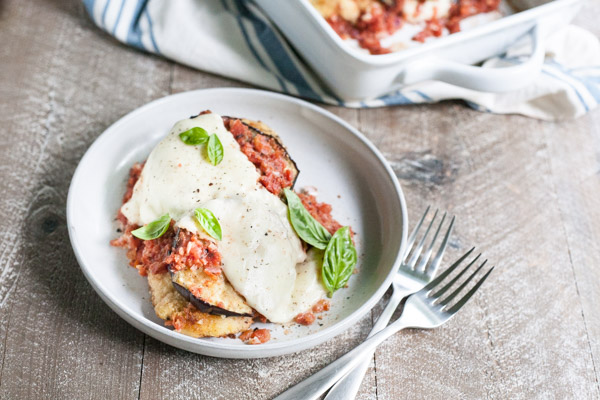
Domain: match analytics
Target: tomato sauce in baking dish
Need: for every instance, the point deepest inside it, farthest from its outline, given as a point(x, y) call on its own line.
point(368, 21)
point(203, 282)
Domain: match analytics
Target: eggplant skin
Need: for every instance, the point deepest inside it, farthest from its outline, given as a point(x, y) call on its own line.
point(260, 128)
point(169, 305)
point(209, 294)
point(202, 305)
point(263, 129)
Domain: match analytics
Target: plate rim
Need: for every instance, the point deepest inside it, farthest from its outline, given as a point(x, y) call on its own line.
point(215, 349)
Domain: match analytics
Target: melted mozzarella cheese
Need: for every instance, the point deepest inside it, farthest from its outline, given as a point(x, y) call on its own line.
point(415, 11)
point(262, 257)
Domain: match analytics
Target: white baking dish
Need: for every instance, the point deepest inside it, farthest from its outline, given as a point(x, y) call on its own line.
point(353, 75)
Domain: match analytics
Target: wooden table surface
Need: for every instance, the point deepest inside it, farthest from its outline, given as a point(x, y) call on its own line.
point(526, 192)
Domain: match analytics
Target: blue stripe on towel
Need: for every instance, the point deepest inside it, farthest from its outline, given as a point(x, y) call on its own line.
point(89, 6)
point(514, 59)
point(591, 86)
point(251, 46)
point(319, 91)
point(477, 107)
point(247, 35)
point(395, 99)
point(545, 71)
point(586, 68)
point(104, 14)
point(551, 63)
point(134, 35)
point(151, 30)
point(424, 96)
point(118, 17)
point(595, 79)
point(246, 38)
point(277, 52)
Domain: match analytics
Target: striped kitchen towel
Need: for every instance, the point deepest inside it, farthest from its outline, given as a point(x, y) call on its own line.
point(250, 49)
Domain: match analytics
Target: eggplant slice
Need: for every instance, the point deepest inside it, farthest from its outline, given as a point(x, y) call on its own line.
point(260, 128)
point(209, 294)
point(169, 305)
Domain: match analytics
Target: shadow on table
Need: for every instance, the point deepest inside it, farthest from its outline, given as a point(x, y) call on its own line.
point(51, 279)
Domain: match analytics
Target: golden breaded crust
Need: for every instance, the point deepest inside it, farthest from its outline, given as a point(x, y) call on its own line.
point(169, 305)
point(261, 126)
point(211, 291)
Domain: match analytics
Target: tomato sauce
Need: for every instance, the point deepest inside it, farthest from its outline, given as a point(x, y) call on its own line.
point(320, 211)
point(193, 252)
point(156, 255)
point(265, 153)
point(255, 336)
point(309, 317)
point(305, 318)
point(381, 20)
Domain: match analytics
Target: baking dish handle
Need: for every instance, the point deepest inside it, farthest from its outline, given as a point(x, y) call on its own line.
point(502, 79)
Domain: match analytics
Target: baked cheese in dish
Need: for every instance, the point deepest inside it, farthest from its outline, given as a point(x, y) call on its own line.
point(417, 11)
point(384, 26)
point(261, 255)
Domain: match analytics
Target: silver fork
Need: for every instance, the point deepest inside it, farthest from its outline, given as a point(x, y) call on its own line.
point(409, 279)
point(426, 309)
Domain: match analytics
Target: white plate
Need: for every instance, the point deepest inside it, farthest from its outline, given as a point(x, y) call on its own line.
point(350, 173)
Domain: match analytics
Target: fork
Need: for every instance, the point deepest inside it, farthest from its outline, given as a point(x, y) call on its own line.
point(426, 309)
point(409, 279)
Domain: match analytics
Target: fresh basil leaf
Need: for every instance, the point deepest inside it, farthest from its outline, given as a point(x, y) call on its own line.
point(308, 228)
point(209, 222)
point(214, 150)
point(339, 260)
point(194, 136)
point(154, 229)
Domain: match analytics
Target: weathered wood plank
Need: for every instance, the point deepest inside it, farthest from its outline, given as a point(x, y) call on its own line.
point(525, 192)
point(63, 84)
point(524, 335)
point(184, 79)
point(172, 373)
point(575, 166)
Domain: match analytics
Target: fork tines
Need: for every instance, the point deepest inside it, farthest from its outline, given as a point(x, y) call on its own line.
point(415, 251)
point(438, 295)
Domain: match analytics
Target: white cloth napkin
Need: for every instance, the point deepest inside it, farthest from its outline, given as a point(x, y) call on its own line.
point(235, 39)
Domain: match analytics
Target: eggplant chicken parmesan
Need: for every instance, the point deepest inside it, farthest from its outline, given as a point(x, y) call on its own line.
point(212, 220)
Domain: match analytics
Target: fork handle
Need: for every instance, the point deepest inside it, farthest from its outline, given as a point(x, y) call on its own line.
point(314, 386)
point(347, 387)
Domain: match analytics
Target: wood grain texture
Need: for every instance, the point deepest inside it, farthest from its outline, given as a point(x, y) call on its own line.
point(521, 337)
point(526, 192)
point(59, 339)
